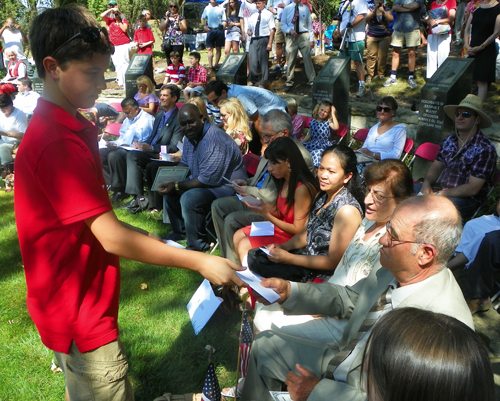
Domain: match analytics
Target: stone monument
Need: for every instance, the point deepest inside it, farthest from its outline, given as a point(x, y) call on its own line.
point(141, 64)
point(234, 69)
point(449, 85)
point(332, 85)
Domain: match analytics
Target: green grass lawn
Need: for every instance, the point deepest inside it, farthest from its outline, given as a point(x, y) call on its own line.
point(163, 352)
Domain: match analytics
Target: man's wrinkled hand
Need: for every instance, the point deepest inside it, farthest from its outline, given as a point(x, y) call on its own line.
point(301, 386)
point(280, 286)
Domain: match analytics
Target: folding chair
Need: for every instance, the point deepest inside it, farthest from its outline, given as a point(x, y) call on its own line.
point(360, 136)
point(341, 132)
point(495, 180)
point(307, 120)
point(407, 148)
point(112, 129)
point(251, 162)
point(179, 105)
point(427, 151)
point(208, 226)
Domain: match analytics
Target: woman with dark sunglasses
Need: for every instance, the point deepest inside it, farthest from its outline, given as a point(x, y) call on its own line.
point(174, 26)
point(387, 138)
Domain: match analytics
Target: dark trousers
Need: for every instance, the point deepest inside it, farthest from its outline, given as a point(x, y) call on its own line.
point(114, 168)
point(480, 281)
point(136, 164)
point(187, 212)
point(260, 57)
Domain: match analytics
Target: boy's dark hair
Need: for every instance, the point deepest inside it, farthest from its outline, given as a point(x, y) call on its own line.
point(27, 82)
point(5, 100)
point(141, 17)
point(55, 26)
point(196, 55)
point(174, 90)
point(216, 87)
point(175, 54)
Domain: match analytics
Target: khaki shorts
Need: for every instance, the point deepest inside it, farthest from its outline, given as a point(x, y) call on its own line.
point(100, 374)
point(279, 36)
point(411, 39)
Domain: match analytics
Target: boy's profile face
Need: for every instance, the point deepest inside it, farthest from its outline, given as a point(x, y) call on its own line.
point(82, 81)
point(193, 60)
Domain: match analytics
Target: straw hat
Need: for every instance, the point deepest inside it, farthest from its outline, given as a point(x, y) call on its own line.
point(473, 103)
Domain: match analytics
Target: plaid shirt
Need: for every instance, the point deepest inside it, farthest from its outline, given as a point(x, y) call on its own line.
point(198, 74)
point(478, 158)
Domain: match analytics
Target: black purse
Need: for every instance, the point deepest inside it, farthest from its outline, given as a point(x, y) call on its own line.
point(259, 263)
point(166, 47)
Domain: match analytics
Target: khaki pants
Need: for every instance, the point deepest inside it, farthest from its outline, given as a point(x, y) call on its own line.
point(302, 43)
point(97, 375)
point(376, 52)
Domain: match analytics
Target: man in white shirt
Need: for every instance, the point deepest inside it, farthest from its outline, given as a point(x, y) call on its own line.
point(297, 25)
point(421, 235)
point(261, 29)
point(26, 99)
point(354, 18)
point(13, 125)
point(247, 9)
point(138, 126)
point(12, 35)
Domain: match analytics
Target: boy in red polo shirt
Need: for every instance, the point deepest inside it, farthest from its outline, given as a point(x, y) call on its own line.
point(143, 36)
point(70, 238)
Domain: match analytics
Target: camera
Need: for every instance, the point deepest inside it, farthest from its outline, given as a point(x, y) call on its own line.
point(11, 26)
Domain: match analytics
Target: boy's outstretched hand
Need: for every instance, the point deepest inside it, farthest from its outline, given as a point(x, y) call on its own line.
point(219, 270)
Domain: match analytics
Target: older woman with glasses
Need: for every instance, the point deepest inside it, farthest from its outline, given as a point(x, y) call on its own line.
point(387, 138)
point(174, 26)
point(388, 182)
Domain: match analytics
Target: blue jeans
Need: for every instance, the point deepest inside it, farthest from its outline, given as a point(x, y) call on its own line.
point(188, 212)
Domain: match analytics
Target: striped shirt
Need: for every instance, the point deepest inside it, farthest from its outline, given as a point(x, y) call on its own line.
point(175, 73)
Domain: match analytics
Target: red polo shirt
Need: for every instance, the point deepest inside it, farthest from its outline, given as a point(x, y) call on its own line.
point(73, 283)
point(116, 35)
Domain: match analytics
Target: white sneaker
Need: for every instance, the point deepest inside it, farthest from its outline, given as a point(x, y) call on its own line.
point(361, 91)
point(284, 70)
point(412, 83)
point(160, 70)
point(390, 81)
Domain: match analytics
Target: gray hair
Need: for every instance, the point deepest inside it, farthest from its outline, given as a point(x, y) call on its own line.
point(12, 49)
point(279, 121)
point(442, 232)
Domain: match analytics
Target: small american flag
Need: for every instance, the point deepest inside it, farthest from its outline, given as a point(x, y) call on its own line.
point(211, 388)
point(246, 338)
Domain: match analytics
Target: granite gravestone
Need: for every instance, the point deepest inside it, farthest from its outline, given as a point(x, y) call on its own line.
point(141, 64)
point(449, 85)
point(332, 85)
point(234, 69)
point(37, 83)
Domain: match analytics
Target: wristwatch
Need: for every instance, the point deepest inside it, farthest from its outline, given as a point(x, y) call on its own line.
point(176, 185)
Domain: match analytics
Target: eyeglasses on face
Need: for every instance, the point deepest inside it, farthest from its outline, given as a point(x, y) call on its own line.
point(384, 109)
point(379, 199)
point(89, 35)
point(223, 115)
point(214, 101)
point(465, 114)
point(172, 6)
point(128, 112)
point(392, 239)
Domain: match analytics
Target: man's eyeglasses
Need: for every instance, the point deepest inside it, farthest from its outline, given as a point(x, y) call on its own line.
point(128, 112)
point(392, 239)
point(89, 35)
point(465, 114)
point(214, 101)
point(379, 199)
point(269, 137)
point(223, 115)
point(385, 109)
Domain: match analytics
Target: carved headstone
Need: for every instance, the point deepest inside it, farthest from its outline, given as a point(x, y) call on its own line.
point(37, 83)
point(141, 64)
point(449, 85)
point(234, 69)
point(332, 85)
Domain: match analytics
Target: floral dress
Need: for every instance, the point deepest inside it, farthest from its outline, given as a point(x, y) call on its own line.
point(173, 30)
point(320, 134)
point(241, 141)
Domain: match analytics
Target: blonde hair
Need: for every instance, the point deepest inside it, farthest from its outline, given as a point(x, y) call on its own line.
point(145, 80)
point(237, 117)
point(318, 106)
point(292, 106)
point(198, 102)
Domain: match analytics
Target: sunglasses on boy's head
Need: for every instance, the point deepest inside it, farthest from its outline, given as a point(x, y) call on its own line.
point(89, 35)
point(465, 114)
point(385, 109)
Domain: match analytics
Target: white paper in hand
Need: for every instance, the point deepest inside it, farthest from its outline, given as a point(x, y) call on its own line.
point(251, 200)
point(175, 244)
point(253, 280)
point(280, 395)
point(262, 229)
point(202, 306)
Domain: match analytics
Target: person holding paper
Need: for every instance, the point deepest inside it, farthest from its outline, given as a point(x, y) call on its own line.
point(333, 220)
point(210, 154)
point(297, 187)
